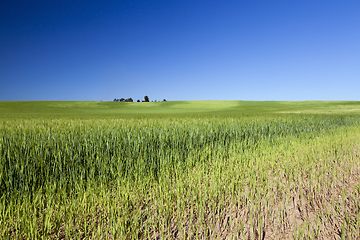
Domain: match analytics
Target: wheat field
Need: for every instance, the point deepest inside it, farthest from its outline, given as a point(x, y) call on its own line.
point(179, 170)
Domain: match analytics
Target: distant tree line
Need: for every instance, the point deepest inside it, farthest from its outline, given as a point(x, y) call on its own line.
point(146, 99)
point(123, 100)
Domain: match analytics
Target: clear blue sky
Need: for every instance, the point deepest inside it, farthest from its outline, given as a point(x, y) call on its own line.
point(180, 50)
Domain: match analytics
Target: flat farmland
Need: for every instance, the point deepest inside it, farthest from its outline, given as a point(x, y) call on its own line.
point(180, 170)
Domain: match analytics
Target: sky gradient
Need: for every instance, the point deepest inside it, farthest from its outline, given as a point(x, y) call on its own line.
point(180, 50)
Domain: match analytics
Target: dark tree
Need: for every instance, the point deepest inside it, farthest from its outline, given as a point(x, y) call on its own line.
point(138, 100)
point(122, 99)
point(164, 100)
point(129, 100)
point(146, 98)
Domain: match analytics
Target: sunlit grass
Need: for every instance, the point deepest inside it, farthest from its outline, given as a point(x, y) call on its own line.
point(189, 176)
point(63, 109)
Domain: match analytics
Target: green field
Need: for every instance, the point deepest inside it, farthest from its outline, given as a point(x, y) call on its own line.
point(179, 170)
point(105, 109)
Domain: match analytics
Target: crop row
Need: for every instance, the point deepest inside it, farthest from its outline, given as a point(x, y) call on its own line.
point(67, 153)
